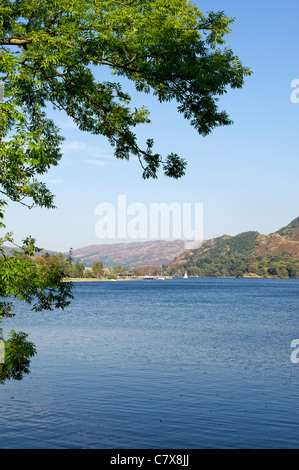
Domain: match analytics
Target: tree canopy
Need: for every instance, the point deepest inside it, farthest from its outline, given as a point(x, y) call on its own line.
point(97, 268)
point(49, 51)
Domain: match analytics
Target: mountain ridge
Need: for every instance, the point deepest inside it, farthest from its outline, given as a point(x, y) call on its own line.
point(248, 254)
point(133, 254)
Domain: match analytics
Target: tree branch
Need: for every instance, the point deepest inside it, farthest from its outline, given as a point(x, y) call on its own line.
point(15, 41)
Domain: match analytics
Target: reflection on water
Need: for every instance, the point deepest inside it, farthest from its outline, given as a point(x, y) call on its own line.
point(197, 363)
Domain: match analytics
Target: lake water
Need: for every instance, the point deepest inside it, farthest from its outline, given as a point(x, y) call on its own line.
point(181, 364)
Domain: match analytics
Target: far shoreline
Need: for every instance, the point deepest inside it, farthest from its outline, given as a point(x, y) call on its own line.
point(94, 279)
point(88, 279)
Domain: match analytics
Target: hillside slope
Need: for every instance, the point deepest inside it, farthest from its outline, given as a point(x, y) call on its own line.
point(248, 254)
point(132, 254)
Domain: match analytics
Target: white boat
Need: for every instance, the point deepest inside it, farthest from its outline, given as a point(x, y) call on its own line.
point(162, 278)
point(185, 275)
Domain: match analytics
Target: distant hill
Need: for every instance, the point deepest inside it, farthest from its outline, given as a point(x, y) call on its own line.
point(150, 255)
point(248, 254)
point(132, 254)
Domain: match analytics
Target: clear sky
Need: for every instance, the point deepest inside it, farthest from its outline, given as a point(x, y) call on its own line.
point(245, 175)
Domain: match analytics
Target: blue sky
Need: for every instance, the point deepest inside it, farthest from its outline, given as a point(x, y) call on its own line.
point(245, 175)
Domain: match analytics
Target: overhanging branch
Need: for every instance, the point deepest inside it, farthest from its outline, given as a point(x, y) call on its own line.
point(15, 41)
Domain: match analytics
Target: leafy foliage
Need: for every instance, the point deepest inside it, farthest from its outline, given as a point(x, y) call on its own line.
point(66, 266)
point(97, 268)
point(22, 278)
point(18, 352)
point(50, 50)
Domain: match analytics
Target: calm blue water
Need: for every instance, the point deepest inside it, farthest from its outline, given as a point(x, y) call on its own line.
point(181, 364)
